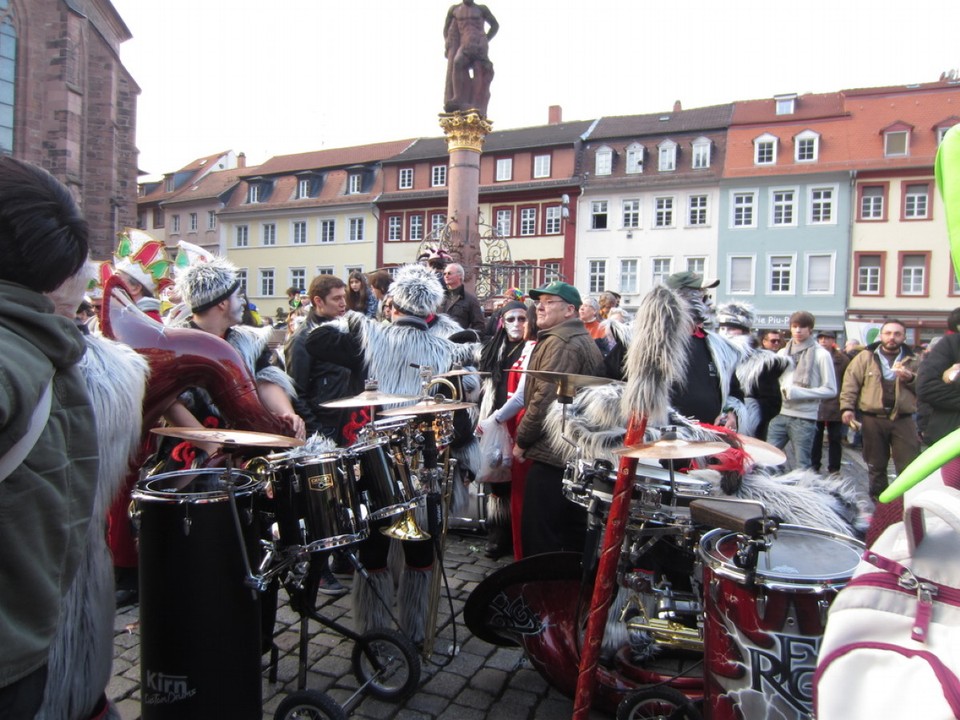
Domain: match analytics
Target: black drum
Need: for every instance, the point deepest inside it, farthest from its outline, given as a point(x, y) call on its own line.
point(382, 475)
point(199, 621)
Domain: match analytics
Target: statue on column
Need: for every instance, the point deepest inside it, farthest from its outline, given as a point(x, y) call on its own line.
point(469, 70)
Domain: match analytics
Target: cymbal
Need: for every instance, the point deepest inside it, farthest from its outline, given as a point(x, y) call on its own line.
point(762, 453)
point(219, 436)
point(462, 371)
point(673, 449)
point(428, 407)
point(569, 382)
point(368, 398)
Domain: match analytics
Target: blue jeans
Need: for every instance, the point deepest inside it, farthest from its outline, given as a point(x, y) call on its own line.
point(799, 432)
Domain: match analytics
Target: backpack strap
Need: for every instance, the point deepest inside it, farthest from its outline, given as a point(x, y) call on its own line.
point(943, 502)
point(15, 456)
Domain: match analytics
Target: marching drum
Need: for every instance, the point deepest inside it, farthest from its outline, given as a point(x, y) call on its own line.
point(199, 621)
point(763, 625)
point(382, 476)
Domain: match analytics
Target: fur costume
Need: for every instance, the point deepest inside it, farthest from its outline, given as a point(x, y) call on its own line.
point(756, 362)
point(81, 655)
point(207, 283)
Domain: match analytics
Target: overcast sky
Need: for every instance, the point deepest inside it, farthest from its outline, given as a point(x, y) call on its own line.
point(290, 76)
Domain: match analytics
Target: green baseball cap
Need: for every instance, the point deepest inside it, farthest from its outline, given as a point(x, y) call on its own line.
point(562, 290)
point(688, 279)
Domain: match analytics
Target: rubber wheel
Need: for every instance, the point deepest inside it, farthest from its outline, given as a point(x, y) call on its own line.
point(309, 705)
point(390, 668)
point(662, 703)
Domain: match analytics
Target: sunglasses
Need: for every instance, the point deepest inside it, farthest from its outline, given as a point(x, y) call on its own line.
point(518, 319)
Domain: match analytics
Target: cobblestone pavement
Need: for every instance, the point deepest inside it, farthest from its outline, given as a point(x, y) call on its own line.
point(479, 681)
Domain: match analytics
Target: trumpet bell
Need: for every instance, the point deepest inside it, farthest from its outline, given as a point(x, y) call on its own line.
point(405, 528)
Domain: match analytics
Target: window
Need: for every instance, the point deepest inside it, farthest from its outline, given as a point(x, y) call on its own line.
point(552, 220)
point(913, 273)
point(634, 158)
point(701, 154)
point(175, 223)
point(598, 215)
point(741, 275)
point(667, 156)
point(785, 104)
point(873, 202)
point(742, 208)
point(298, 278)
point(629, 270)
point(354, 183)
point(157, 218)
point(328, 230)
point(604, 161)
point(781, 274)
point(631, 213)
point(504, 218)
point(819, 274)
point(697, 265)
point(270, 234)
point(916, 201)
point(194, 222)
point(324, 270)
point(266, 283)
point(243, 235)
point(697, 210)
point(941, 132)
point(541, 166)
point(525, 280)
point(211, 220)
point(663, 212)
point(504, 169)
point(896, 143)
point(528, 221)
point(300, 233)
point(253, 193)
point(303, 188)
point(169, 185)
point(806, 146)
point(438, 176)
point(406, 178)
point(551, 272)
point(765, 150)
point(869, 274)
point(242, 279)
point(8, 80)
point(356, 229)
point(821, 206)
point(783, 208)
point(395, 227)
point(597, 276)
point(416, 227)
point(661, 269)
point(437, 223)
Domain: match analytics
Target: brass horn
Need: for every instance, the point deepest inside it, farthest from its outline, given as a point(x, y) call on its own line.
point(405, 528)
point(454, 391)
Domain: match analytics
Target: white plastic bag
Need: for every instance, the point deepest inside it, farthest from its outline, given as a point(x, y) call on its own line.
point(496, 452)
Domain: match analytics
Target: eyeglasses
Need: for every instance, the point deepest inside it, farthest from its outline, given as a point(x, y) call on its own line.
point(773, 341)
point(517, 319)
point(541, 303)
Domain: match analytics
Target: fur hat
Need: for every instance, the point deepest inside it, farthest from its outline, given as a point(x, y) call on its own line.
point(416, 291)
point(738, 314)
point(204, 284)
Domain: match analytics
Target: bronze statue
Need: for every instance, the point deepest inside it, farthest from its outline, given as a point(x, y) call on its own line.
point(469, 70)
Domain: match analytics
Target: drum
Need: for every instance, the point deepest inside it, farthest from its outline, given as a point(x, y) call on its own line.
point(316, 502)
point(763, 626)
point(199, 621)
point(382, 476)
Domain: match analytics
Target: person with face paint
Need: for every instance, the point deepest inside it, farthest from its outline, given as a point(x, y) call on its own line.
point(508, 349)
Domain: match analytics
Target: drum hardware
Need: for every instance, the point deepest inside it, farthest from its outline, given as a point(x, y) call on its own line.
point(667, 632)
point(232, 439)
point(460, 371)
point(433, 601)
point(405, 528)
point(370, 397)
point(429, 406)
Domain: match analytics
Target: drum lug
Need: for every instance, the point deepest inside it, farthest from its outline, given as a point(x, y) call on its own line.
point(187, 522)
point(761, 604)
point(714, 589)
point(248, 516)
point(823, 605)
point(134, 513)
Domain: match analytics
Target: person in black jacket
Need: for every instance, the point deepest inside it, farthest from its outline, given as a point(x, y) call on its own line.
point(938, 387)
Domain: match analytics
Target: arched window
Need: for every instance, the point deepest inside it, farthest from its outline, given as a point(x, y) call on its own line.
point(8, 76)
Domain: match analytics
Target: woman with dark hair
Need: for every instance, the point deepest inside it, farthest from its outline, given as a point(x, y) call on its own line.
point(359, 296)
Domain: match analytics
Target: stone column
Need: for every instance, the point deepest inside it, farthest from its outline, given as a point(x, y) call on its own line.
point(465, 132)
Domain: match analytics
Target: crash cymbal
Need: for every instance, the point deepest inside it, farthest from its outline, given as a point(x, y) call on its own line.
point(428, 407)
point(673, 449)
point(368, 398)
point(569, 382)
point(219, 436)
point(762, 453)
point(462, 371)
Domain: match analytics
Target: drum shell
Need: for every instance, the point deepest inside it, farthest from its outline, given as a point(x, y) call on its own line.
point(382, 476)
point(761, 640)
point(200, 629)
point(322, 494)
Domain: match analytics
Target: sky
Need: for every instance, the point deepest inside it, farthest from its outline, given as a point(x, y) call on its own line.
point(291, 76)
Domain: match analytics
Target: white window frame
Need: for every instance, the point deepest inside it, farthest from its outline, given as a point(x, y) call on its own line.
point(813, 203)
point(504, 222)
point(752, 260)
point(700, 155)
point(785, 104)
point(211, 219)
point(354, 183)
point(629, 276)
point(541, 166)
point(660, 269)
point(876, 209)
point(303, 188)
point(553, 220)
point(705, 210)
point(941, 132)
point(664, 212)
point(416, 226)
point(298, 232)
point(630, 213)
point(405, 178)
point(264, 276)
point(598, 209)
point(889, 136)
point(603, 162)
point(800, 141)
point(253, 193)
point(328, 231)
point(764, 141)
point(174, 223)
point(667, 156)
point(438, 176)
point(597, 275)
point(395, 228)
point(504, 169)
point(268, 236)
point(325, 270)
point(697, 264)
point(922, 268)
point(437, 222)
point(831, 272)
point(792, 269)
point(528, 221)
point(194, 222)
point(298, 278)
point(910, 198)
point(242, 236)
point(634, 159)
point(736, 206)
point(242, 279)
point(873, 276)
point(356, 225)
point(793, 204)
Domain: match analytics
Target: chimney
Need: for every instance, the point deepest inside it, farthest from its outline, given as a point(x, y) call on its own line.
point(242, 160)
point(676, 106)
point(555, 115)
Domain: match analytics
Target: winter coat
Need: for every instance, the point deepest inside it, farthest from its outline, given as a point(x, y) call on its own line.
point(830, 407)
point(465, 309)
point(804, 402)
point(862, 388)
point(942, 398)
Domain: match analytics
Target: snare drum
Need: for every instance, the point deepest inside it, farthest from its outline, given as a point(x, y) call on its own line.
point(383, 478)
point(398, 430)
point(199, 621)
point(762, 630)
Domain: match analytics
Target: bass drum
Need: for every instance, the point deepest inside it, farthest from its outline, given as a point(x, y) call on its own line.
point(199, 621)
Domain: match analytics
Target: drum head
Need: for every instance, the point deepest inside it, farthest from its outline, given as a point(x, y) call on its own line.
point(797, 556)
point(201, 485)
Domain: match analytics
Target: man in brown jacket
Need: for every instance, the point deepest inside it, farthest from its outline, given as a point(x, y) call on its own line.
point(881, 383)
point(551, 522)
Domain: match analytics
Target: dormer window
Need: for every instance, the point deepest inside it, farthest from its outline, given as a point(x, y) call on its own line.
point(168, 184)
point(786, 104)
point(604, 161)
point(806, 146)
point(354, 183)
point(303, 188)
point(896, 139)
point(701, 154)
point(667, 156)
point(634, 158)
point(406, 178)
point(765, 150)
point(254, 193)
point(943, 127)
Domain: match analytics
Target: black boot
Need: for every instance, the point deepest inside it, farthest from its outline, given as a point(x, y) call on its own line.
point(499, 533)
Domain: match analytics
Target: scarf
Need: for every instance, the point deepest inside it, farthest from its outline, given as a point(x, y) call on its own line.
point(803, 355)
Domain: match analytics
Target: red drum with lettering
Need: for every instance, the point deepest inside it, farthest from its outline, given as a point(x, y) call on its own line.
point(763, 627)
point(199, 620)
point(382, 476)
